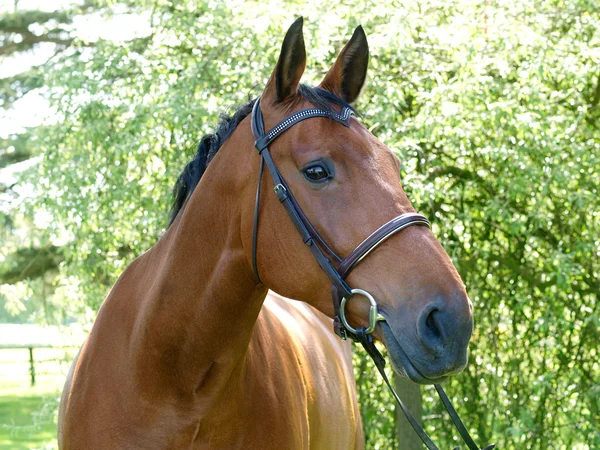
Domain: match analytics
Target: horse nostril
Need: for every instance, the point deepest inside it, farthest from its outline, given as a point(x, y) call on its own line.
point(432, 324)
point(430, 328)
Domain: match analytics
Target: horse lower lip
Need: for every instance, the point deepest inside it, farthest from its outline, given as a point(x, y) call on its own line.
point(400, 359)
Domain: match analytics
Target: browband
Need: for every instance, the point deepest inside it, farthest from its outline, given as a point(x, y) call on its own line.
point(264, 140)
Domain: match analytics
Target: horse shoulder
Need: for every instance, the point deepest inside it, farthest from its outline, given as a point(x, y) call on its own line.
point(321, 363)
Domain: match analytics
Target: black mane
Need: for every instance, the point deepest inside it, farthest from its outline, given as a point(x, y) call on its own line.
point(211, 143)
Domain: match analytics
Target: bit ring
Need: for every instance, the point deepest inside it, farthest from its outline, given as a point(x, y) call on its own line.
point(374, 315)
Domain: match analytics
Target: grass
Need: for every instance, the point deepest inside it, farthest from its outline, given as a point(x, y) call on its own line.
point(28, 414)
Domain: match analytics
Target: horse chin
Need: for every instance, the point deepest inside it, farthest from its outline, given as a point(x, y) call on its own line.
point(401, 363)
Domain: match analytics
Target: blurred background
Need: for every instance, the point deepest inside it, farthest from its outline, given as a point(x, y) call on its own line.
point(492, 105)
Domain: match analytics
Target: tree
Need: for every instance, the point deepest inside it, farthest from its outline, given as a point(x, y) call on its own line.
point(493, 108)
point(30, 262)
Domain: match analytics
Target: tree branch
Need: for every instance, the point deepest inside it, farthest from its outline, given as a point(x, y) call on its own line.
point(596, 98)
point(28, 263)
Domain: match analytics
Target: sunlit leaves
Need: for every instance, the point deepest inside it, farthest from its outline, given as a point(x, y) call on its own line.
point(494, 110)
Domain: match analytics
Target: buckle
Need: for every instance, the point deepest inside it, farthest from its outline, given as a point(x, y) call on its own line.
point(281, 192)
point(339, 329)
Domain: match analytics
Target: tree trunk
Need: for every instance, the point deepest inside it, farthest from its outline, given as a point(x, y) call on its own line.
point(410, 393)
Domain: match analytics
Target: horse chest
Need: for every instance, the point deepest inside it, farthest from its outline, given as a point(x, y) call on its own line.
point(293, 393)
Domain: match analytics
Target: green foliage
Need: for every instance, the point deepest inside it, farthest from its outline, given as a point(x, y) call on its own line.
point(377, 406)
point(28, 263)
point(494, 109)
point(13, 88)
point(23, 30)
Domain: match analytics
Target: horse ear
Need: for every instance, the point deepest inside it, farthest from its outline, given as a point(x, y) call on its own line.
point(347, 76)
point(285, 78)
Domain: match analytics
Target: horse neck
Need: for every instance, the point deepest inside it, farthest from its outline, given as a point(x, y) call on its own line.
point(201, 301)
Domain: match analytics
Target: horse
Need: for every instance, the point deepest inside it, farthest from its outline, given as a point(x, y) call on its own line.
point(185, 351)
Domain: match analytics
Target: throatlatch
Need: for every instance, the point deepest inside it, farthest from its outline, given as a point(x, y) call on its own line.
point(341, 291)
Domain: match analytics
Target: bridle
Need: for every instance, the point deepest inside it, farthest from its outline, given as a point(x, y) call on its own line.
point(341, 291)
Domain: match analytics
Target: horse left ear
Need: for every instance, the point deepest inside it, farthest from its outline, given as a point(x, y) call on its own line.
point(347, 76)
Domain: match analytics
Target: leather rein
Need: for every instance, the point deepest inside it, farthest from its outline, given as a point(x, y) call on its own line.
point(326, 257)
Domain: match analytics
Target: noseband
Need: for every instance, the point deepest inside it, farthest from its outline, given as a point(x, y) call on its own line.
point(341, 291)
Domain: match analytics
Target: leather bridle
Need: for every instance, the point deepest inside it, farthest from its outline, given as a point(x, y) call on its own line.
point(341, 291)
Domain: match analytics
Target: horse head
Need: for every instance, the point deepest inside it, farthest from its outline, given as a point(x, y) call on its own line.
point(344, 183)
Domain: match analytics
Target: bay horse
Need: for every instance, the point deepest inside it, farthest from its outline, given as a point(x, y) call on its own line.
point(186, 353)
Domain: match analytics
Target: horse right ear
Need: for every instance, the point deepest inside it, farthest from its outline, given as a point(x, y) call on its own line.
point(347, 76)
point(285, 79)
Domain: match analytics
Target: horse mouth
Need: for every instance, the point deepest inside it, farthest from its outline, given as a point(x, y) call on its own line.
point(401, 362)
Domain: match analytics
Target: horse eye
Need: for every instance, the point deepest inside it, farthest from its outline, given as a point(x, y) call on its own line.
point(317, 172)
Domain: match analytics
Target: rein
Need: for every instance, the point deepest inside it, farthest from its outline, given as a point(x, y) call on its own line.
point(341, 291)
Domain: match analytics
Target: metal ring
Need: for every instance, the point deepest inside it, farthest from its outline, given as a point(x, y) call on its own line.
point(374, 315)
